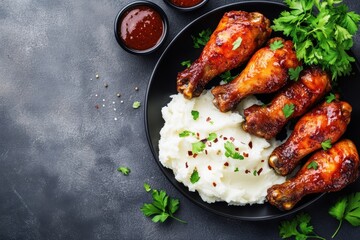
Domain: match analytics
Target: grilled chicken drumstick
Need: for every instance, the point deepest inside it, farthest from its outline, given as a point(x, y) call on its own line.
point(325, 171)
point(267, 121)
point(238, 35)
point(266, 72)
point(326, 122)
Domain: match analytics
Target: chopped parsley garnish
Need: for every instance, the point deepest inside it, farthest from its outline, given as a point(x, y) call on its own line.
point(347, 208)
point(227, 77)
point(198, 147)
point(195, 114)
point(322, 32)
point(186, 133)
point(231, 152)
point(236, 169)
point(326, 144)
point(237, 43)
point(136, 104)
point(186, 63)
point(276, 45)
point(212, 137)
point(194, 176)
point(288, 110)
point(331, 97)
point(298, 227)
point(124, 170)
point(313, 165)
point(294, 73)
point(161, 208)
point(147, 187)
point(202, 38)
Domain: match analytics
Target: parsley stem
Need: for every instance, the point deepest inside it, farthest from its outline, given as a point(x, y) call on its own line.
point(337, 230)
point(182, 221)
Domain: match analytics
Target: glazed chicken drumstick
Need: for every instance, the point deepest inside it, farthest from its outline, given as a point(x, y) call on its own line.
point(238, 35)
point(267, 121)
point(325, 123)
point(325, 171)
point(266, 72)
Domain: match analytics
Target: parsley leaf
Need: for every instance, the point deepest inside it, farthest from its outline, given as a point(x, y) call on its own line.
point(195, 114)
point(124, 170)
point(186, 63)
point(236, 169)
point(231, 152)
point(276, 45)
point(313, 165)
point(322, 32)
point(298, 227)
point(147, 187)
point(194, 176)
point(237, 43)
point(212, 136)
point(294, 73)
point(347, 208)
point(288, 110)
point(331, 97)
point(136, 104)
point(186, 133)
point(227, 77)
point(198, 147)
point(161, 208)
point(202, 38)
point(326, 144)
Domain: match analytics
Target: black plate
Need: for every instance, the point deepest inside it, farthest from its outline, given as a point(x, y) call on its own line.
point(163, 84)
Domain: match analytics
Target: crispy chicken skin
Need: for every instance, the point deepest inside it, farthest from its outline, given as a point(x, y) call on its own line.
point(328, 121)
point(219, 54)
point(336, 168)
point(266, 72)
point(267, 121)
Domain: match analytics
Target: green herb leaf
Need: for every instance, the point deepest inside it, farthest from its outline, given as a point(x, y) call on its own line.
point(186, 63)
point(186, 133)
point(326, 144)
point(331, 97)
point(276, 45)
point(194, 176)
point(237, 43)
point(198, 147)
point(212, 137)
point(313, 165)
point(147, 187)
point(202, 38)
point(295, 73)
point(161, 208)
point(236, 169)
point(124, 170)
point(227, 77)
point(298, 227)
point(231, 152)
point(195, 114)
point(136, 104)
point(288, 110)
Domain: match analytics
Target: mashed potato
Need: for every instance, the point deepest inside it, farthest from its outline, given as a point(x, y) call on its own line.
point(237, 180)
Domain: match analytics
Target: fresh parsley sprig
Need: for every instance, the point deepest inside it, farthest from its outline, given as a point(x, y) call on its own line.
point(227, 77)
point(322, 32)
point(202, 38)
point(231, 152)
point(162, 207)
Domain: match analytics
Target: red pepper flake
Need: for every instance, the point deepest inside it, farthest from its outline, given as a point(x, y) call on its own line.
point(259, 171)
point(209, 144)
point(245, 154)
point(186, 165)
point(190, 153)
point(97, 106)
point(232, 139)
point(209, 167)
point(225, 138)
point(263, 160)
point(237, 149)
point(206, 152)
point(203, 140)
point(197, 135)
point(250, 145)
point(247, 171)
point(218, 152)
point(195, 155)
point(214, 184)
point(226, 164)
point(216, 140)
point(208, 119)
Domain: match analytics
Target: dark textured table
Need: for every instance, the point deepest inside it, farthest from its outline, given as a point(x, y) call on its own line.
point(63, 133)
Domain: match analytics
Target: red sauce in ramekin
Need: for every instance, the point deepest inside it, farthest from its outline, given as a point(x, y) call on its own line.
point(186, 3)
